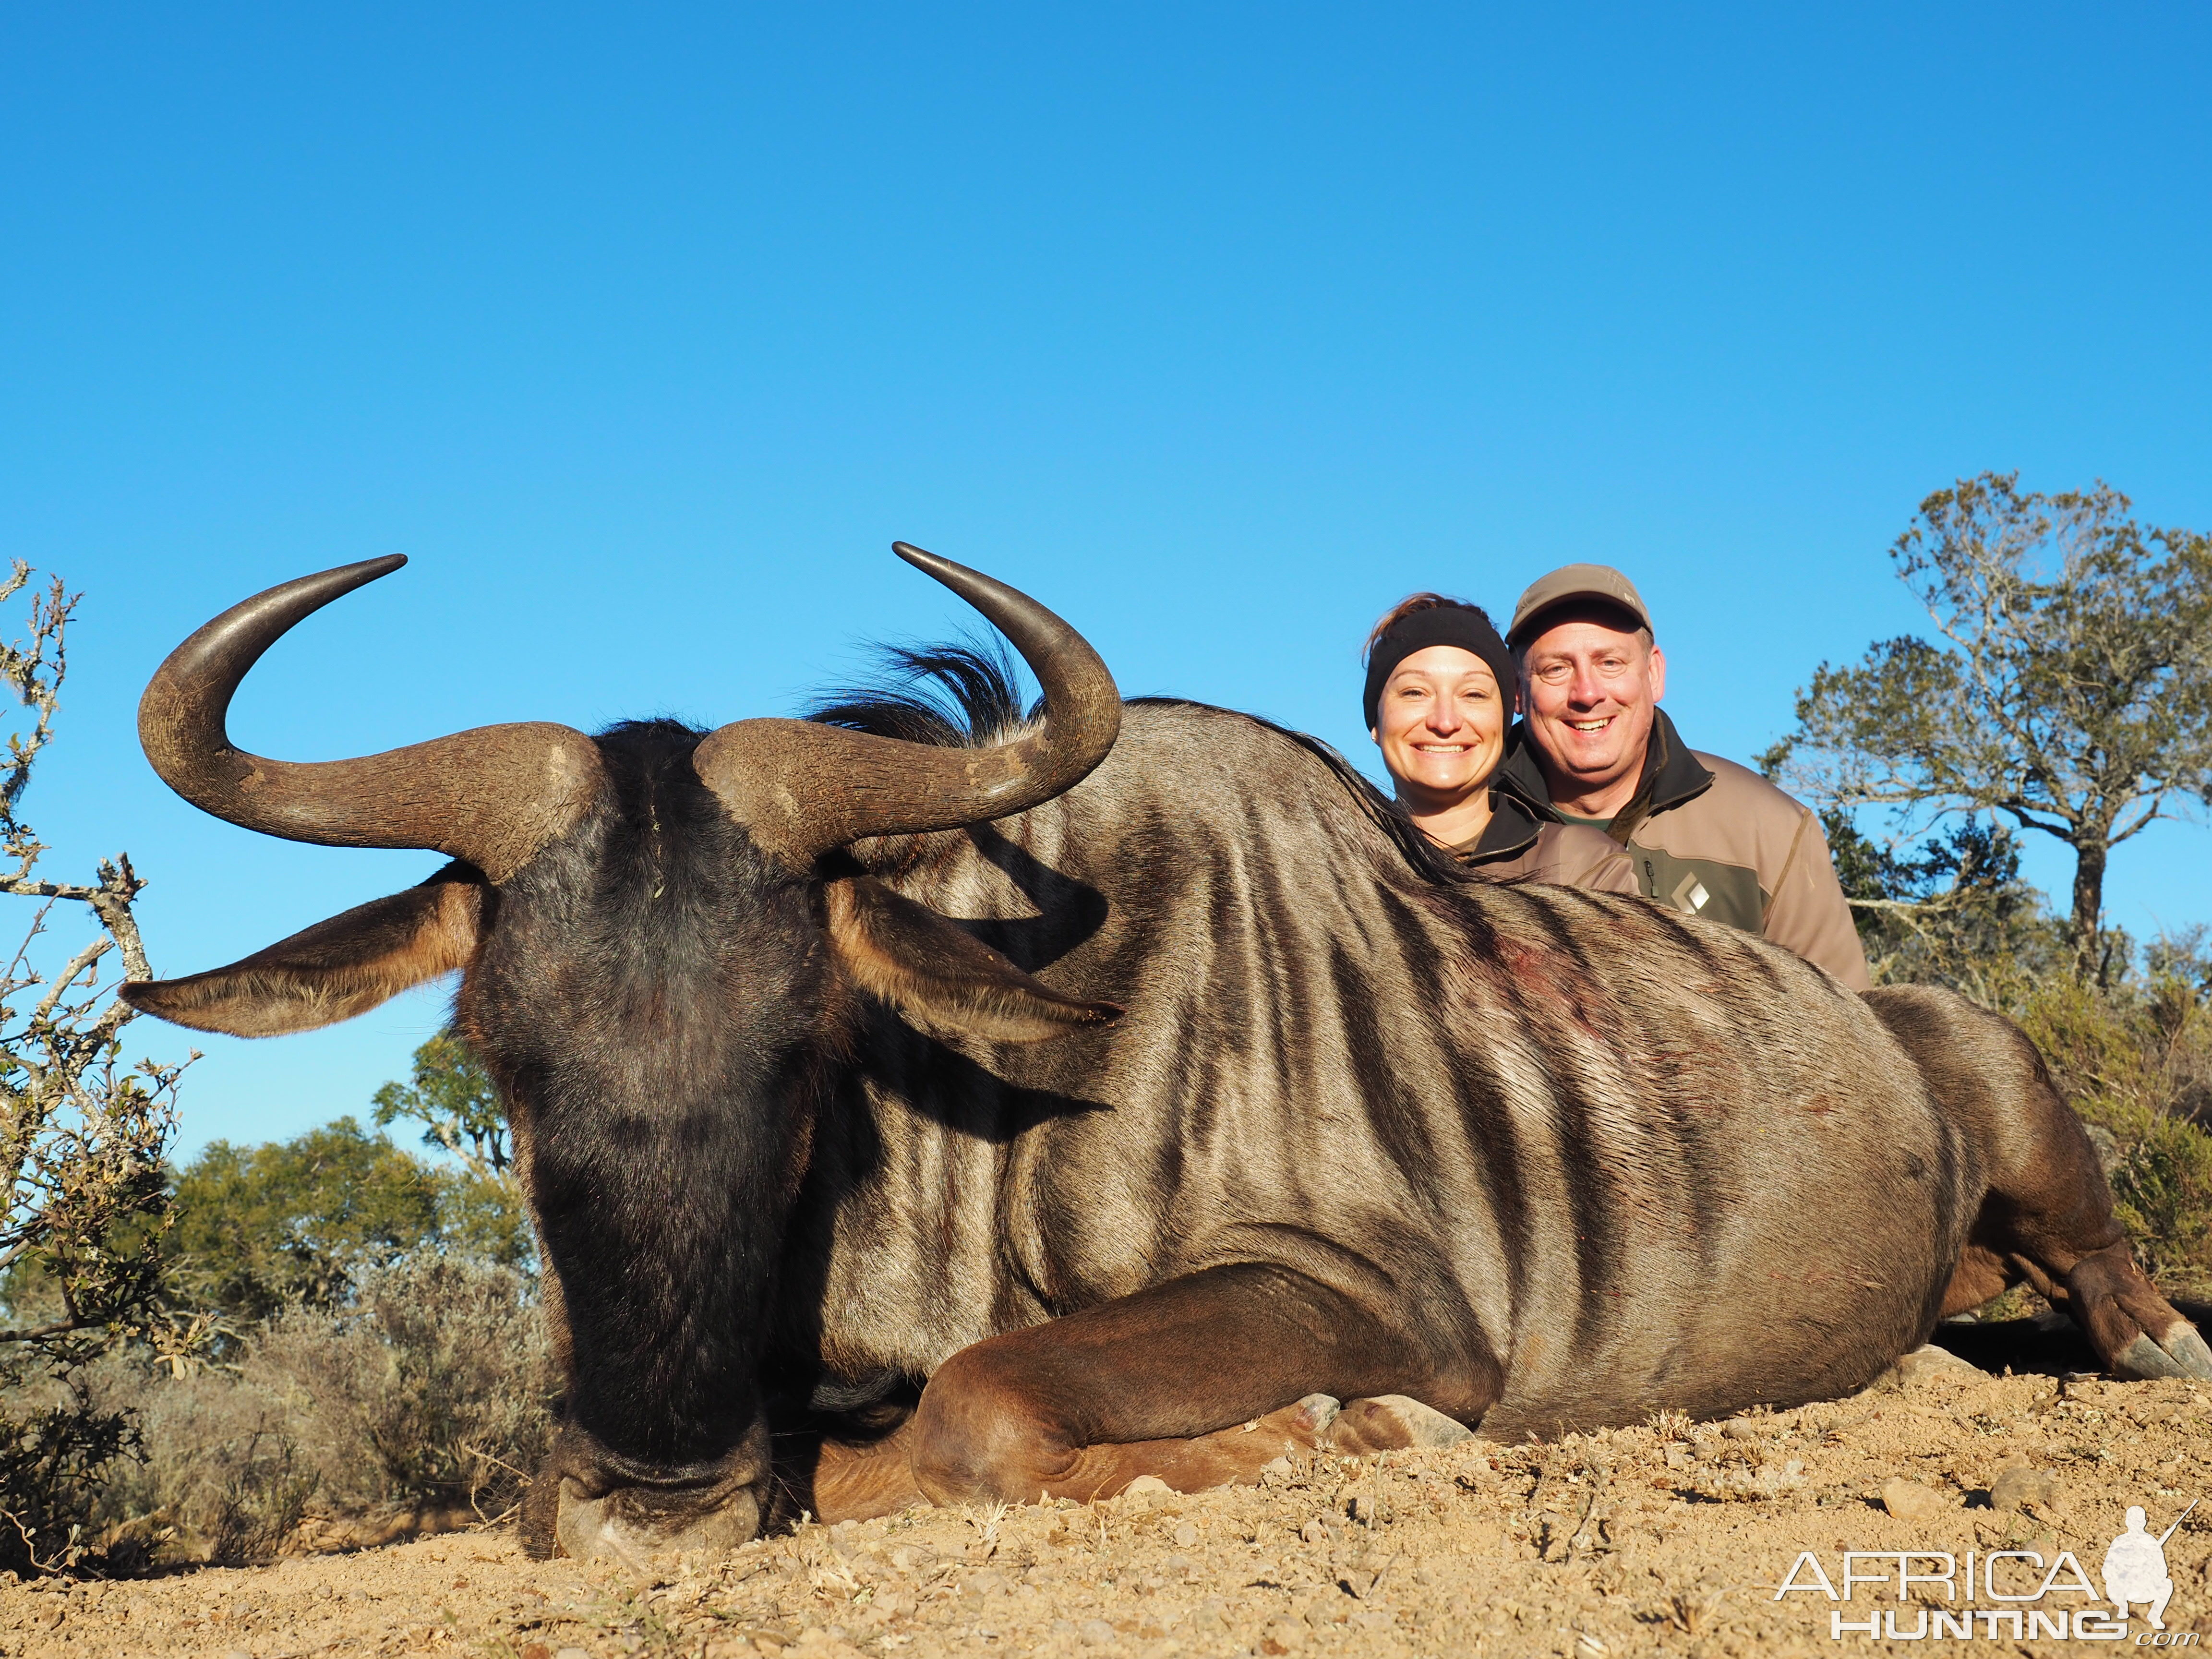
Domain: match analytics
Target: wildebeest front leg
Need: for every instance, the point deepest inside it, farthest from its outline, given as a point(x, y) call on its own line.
point(2047, 1217)
point(1164, 1382)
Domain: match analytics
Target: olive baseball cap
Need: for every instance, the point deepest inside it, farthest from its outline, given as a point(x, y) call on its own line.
point(1575, 581)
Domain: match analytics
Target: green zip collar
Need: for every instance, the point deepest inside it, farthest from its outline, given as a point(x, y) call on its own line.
point(1671, 776)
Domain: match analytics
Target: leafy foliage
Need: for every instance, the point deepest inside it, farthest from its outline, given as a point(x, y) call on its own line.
point(424, 1396)
point(298, 1223)
point(2137, 1061)
point(457, 1105)
point(82, 1134)
point(437, 1369)
point(451, 1096)
point(2071, 692)
point(1954, 913)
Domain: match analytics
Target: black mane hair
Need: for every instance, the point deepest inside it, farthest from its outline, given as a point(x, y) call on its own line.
point(968, 695)
point(949, 697)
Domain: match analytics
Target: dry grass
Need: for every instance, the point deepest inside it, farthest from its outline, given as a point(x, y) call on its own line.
point(425, 1397)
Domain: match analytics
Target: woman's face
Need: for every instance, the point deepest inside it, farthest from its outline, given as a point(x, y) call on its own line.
point(1441, 725)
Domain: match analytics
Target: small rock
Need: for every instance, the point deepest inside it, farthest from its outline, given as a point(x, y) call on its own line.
point(1743, 1428)
point(1928, 1364)
point(1094, 1632)
point(1908, 1500)
point(1185, 1534)
point(1147, 1488)
point(1314, 1531)
point(2020, 1486)
point(1282, 1636)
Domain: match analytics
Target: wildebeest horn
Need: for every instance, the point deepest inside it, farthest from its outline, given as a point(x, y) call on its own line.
point(492, 796)
point(802, 788)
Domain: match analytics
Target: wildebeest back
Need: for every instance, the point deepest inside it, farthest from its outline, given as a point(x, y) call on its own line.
point(1553, 1121)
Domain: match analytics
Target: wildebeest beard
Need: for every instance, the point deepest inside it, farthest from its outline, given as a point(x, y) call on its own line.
point(1127, 1097)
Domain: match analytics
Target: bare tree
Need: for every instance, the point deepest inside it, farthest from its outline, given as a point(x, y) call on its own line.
point(83, 1138)
point(2072, 689)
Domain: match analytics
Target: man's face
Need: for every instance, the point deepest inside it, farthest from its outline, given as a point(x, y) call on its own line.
point(1591, 689)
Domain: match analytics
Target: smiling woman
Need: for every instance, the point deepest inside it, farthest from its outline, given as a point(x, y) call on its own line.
point(1439, 699)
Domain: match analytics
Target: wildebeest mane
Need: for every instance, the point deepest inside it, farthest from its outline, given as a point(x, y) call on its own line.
point(949, 697)
point(1423, 854)
point(967, 696)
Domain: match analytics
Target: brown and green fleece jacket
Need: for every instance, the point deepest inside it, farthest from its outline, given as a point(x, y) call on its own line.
point(1714, 839)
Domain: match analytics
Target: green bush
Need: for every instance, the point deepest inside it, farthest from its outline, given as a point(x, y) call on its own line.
point(2137, 1059)
point(429, 1392)
point(294, 1224)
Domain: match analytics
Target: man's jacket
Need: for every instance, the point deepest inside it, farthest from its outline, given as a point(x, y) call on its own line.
point(1716, 840)
point(1516, 844)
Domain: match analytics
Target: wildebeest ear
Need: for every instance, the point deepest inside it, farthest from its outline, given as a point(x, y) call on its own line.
point(939, 974)
point(331, 971)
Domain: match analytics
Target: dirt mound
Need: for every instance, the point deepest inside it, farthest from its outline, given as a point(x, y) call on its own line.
point(1671, 1537)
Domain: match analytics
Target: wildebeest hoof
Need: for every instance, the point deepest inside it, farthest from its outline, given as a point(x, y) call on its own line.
point(1393, 1422)
point(2186, 1345)
point(631, 1526)
point(2183, 1354)
point(1315, 1413)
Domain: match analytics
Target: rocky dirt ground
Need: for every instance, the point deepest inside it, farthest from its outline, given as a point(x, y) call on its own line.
point(1670, 1538)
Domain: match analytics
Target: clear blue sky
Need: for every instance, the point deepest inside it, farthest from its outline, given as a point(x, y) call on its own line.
point(645, 330)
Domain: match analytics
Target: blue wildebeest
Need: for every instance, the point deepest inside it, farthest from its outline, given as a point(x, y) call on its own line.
point(1023, 1109)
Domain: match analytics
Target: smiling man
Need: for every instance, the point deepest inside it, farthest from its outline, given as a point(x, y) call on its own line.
point(1705, 835)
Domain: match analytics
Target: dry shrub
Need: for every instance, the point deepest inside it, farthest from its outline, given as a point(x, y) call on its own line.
point(223, 1478)
point(82, 1137)
point(427, 1394)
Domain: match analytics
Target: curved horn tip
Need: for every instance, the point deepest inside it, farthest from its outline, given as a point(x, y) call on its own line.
point(333, 584)
point(970, 585)
point(382, 565)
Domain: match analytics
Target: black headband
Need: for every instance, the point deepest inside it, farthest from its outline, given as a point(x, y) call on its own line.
point(1461, 625)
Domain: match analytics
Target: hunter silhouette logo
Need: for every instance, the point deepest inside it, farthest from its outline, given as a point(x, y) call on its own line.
point(2024, 1593)
point(2135, 1567)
